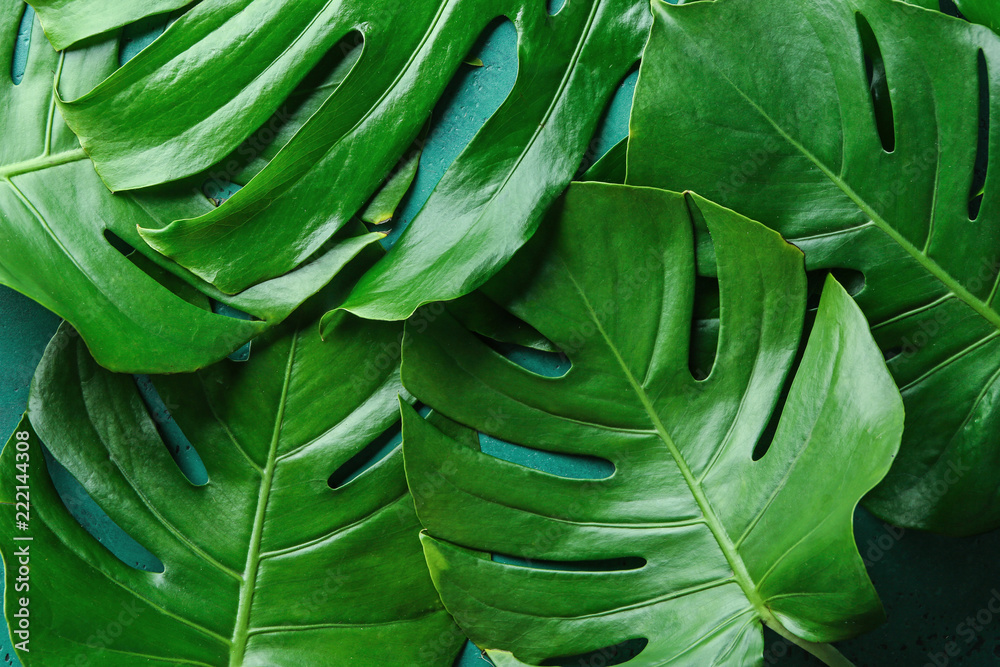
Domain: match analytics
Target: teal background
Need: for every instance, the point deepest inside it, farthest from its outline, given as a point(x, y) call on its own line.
point(931, 586)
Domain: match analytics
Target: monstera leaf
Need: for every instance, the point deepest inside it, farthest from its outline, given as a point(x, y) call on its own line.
point(985, 12)
point(264, 563)
point(695, 538)
point(876, 169)
point(485, 207)
point(67, 23)
point(981, 11)
point(65, 237)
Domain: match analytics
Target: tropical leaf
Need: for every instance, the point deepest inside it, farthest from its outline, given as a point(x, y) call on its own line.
point(985, 12)
point(67, 23)
point(65, 237)
point(611, 167)
point(874, 169)
point(264, 564)
point(485, 207)
point(691, 543)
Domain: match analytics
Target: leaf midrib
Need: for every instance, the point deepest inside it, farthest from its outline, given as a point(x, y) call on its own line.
point(715, 525)
point(46, 160)
point(824, 652)
point(40, 163)
point(248, 587)
point(931, 266)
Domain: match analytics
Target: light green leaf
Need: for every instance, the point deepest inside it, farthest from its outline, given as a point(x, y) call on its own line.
point(383, 205)
point(485, 207)
point(871, 171)
point(58, 229)
point(265, 565)
point(66, 22)
point(723, 542)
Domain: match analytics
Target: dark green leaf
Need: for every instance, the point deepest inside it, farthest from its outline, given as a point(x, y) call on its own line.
point(724, 542)
point(383, 205)
point(986, 12)
point(265, 565)
point(485, 207)
point(611, 167)
point(59, 228)
point(873, 168)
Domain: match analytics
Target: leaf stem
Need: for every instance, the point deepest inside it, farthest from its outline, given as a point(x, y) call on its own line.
point(825, 652)
point(43, 162)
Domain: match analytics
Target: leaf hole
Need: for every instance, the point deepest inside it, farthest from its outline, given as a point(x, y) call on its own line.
point(118, 243)
point(19, 61)
point(617, 654)
point(482, 315)
point(183, 452)
point(472, 656)
point(219, 308)
point(95, 521)
point(766, 438)
point(892, 353)
point(878, 84)
point(137, 36)
point(613, 125)
point(983, 145)
point(218, 190)
point(622, 564)
point(472, 96)
point(553, 6)
point(570, 466)
point(951, 9)
point(851, 280)
point(372, 453)
point(540, 362)
point(704, 327)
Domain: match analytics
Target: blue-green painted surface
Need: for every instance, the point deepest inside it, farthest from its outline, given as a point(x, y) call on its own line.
point(469, 100)
point(20, 61)
point(934, 588)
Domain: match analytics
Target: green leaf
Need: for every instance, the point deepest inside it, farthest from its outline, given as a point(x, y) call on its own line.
point(477, 312)
point(986, 12)
point(611, 167)
point(265, 564)
point(724, 541)
point(871, 174)
point(140, 312)
point(67, 23)
point(383, 205)
point(485, 207)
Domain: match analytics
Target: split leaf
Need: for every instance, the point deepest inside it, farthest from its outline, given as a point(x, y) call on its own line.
point(874, 168)
point(178, 108)
point(691, 543)
point(286, 556)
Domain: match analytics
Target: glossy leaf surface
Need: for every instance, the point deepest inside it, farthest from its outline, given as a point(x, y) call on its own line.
point(485, 207)
point(986, 12)
point(72, 246)
point(67, 23)
point(264, 565)
point(874, 169)
point(690, 543)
